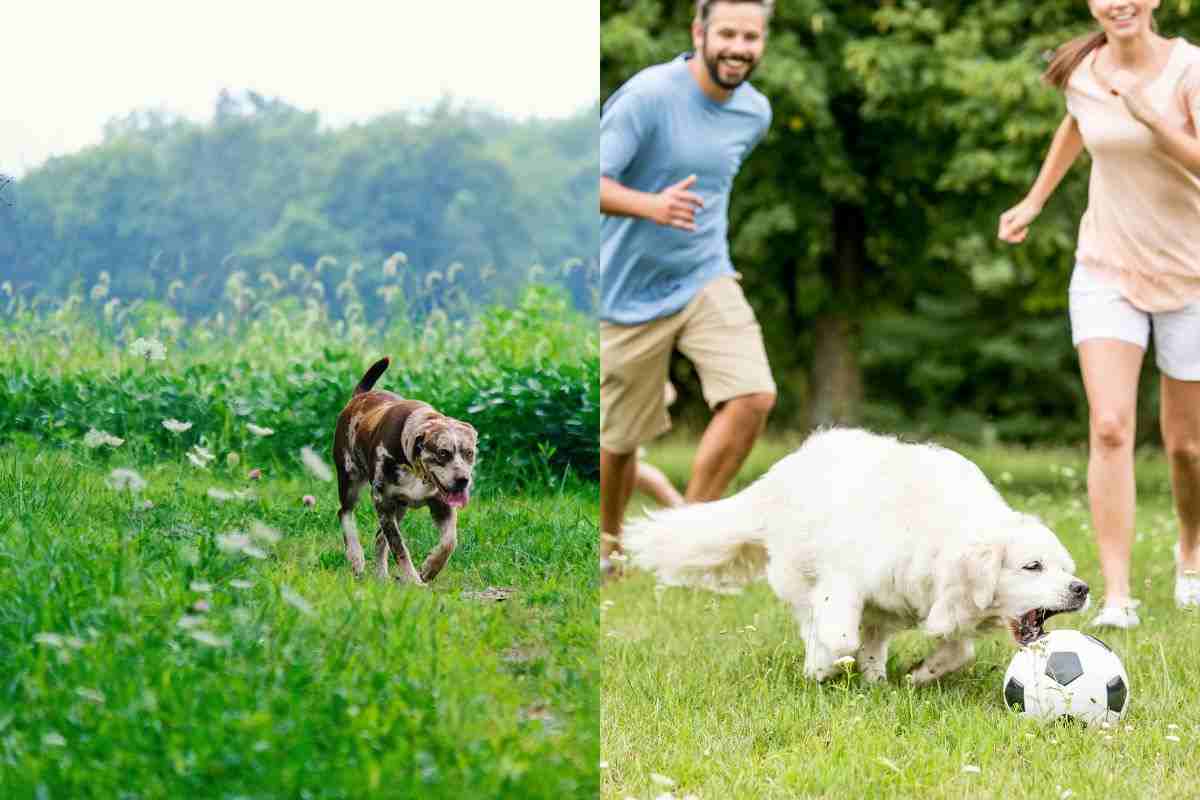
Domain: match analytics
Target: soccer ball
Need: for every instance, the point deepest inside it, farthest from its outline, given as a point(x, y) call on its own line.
point(1067, 674)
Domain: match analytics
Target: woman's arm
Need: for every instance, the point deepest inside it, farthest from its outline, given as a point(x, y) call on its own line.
point(1064, 149)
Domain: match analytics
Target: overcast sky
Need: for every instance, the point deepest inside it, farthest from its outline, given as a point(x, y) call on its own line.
point(68, 67)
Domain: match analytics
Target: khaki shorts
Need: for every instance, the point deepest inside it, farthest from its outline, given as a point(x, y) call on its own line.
point(717, 332)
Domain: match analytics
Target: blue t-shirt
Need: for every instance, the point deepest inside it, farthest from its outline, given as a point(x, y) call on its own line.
point(656, 130)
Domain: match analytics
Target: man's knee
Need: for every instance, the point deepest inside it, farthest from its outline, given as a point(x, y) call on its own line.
point(758, 404)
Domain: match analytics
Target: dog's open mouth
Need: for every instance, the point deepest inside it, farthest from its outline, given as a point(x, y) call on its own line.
point(455, 499)
point(1030, 626)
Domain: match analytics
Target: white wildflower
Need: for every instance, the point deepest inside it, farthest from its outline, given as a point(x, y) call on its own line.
point(232, 459)
point(90, 694)
point(150, 349)
point(293, 599)
point(202, 587)
point(233, 542)
point(223, 496)
point(120, 479)
point(258, 430)
point(200, 456)
point(54, 739)
point(48, 639)
point(264, 533)
point(209, 638)
point(94, 438)
point(661, 780)
point(175, 426)
point(315, 464)
point(238, 542)
point(254, 551)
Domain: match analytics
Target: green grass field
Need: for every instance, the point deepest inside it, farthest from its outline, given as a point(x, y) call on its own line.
point(703, 694)
point(201, 635)
point(147, 656)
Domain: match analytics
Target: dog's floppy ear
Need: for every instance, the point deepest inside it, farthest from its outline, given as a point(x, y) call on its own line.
point(964, 584)
point(412, 437)
point(981, 568)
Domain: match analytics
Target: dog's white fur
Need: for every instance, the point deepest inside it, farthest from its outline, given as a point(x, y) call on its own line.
point(865, 536)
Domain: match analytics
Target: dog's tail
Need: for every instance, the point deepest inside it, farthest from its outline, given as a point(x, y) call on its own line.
point(372, 375)
point(718, 546)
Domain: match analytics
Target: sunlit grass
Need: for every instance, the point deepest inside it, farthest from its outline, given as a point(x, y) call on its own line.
point(177, 617)
point(708, 691)
point(163, 642)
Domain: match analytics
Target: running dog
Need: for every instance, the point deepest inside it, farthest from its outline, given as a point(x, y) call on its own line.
point(411, 456)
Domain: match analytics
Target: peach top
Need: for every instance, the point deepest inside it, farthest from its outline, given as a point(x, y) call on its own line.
point(1141, 229)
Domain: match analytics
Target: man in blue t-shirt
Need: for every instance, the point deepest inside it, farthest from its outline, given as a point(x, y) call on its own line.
point(672, 139)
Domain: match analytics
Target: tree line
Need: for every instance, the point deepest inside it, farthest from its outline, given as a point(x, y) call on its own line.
point(161, 202)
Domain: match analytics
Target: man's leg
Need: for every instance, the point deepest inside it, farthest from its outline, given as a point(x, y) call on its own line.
point(726, 442)
point(723, 340)
point(618, 473)
point(633, 371)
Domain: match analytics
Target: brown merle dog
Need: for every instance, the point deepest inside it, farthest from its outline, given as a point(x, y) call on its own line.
point(411, 456)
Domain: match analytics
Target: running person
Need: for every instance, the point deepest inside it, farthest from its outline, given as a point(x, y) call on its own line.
point(1133, 100)
point(672, 139)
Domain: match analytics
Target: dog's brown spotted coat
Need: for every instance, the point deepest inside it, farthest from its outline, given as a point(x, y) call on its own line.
point(411, 456)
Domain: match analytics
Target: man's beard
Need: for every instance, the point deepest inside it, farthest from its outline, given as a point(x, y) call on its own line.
point(714, 70)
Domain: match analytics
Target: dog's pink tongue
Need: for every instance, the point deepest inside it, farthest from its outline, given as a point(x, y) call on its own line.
point(457, 499)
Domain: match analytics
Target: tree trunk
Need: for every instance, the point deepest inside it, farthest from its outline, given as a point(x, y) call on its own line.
point(836, 385)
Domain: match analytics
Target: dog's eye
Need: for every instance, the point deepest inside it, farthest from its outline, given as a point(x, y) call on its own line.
point(444, 455)
point(1033, 566)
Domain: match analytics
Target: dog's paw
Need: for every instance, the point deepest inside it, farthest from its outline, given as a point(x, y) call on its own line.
point(922, 674)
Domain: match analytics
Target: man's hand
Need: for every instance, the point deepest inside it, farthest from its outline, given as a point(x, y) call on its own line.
point(675, 206)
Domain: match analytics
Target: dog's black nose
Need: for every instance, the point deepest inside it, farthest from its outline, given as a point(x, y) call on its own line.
point(1079, 589)
point(462, 483)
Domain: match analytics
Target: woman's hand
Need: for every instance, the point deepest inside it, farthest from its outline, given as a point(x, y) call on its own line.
point(1126, 87)
point(1014, 223)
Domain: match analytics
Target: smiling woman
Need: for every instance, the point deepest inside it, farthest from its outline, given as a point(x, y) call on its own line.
point(1133, 102)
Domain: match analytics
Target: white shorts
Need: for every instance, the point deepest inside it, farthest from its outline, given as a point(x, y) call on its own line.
point(1100, 311)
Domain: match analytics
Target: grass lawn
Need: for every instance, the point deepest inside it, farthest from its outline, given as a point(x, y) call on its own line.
point(144, 653)
point(704, 694)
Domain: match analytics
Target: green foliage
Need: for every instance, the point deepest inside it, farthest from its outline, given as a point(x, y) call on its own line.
point(162, 200)
point(527, 377)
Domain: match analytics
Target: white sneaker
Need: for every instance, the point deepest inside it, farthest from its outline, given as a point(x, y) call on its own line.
point(1187, 589)
point(1187, 585)
point(1117, 616)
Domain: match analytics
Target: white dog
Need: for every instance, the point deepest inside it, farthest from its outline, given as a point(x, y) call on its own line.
point(865, 536)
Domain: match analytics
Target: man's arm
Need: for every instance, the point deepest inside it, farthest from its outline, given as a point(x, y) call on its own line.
point(674, 206)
